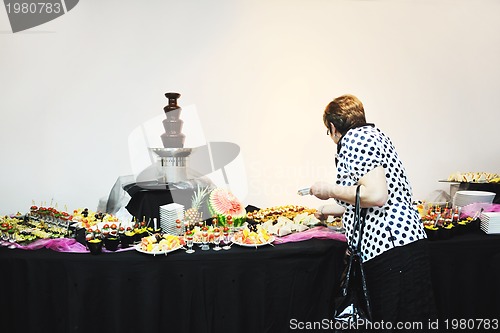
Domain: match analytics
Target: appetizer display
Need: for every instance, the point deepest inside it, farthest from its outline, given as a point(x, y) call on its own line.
point(49, 214)
point(24, 230)
point(252, 236)
point(284, 220)
point(288, 211)
point(87, 218)
point(474, 177)
point(157, 244)
point(441, 222)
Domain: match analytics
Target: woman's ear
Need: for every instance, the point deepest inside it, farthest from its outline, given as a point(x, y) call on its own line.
point(332, 128)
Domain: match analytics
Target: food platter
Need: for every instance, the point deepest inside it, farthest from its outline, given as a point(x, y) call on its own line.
point(269, 242)
point(154, 253)
point(474, 177)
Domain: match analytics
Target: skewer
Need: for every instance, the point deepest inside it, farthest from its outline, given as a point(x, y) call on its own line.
point(438, 216)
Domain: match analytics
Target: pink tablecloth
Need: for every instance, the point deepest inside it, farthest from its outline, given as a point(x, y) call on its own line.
point(71, 245)
point(316, 232)
point(62, 245)
point(472, 209)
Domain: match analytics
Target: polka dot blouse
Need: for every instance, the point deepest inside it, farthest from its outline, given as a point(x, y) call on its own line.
point(396, 223)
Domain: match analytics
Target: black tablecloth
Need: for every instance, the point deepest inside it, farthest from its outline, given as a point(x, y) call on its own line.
point(239, 290)
point(146, 199)
point(466, 276)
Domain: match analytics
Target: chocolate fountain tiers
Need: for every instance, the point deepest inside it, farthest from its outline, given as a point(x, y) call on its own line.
point(173, 137)
point(172, 159)
point(170, 178)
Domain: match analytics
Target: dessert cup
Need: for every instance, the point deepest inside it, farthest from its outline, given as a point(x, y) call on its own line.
point(95, 246)
point(111, 243)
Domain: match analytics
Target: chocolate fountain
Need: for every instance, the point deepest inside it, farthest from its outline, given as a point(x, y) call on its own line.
point(173, 157)
point(173, 137)
point(178, 173)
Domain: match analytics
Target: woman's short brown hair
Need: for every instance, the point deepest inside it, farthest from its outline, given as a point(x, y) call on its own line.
point(344, 112)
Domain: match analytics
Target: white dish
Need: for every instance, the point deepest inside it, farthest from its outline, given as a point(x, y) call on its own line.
point(464, 198)
point(154, 253)
point(474, 193)
point(271, 239)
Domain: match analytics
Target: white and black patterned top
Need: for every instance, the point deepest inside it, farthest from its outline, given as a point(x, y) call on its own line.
point(396, 223)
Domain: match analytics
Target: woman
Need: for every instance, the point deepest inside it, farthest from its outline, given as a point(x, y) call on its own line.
point(394, 248)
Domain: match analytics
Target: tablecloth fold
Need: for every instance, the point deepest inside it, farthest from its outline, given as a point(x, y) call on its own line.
point(62, 245)
point(316, 232)
point(56, 244)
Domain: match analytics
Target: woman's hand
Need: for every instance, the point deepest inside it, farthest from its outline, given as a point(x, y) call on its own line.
point(321, 190)
point(319, 214)
point(333, 209)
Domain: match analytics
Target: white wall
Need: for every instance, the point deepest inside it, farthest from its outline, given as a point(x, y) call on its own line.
point(260, 73)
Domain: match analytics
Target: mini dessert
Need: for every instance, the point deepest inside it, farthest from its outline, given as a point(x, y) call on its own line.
point(128, 237)
point(4, 227)
point(112, 243)
point(94, 241)
point(95, 246)
point(121, 233)
point(105, 230)
point(204, 238)
point(200, 232)
point(140, 231)
point(111, 240)
point(89, 235)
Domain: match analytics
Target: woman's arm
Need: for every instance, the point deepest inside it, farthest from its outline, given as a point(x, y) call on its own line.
point(373, 190)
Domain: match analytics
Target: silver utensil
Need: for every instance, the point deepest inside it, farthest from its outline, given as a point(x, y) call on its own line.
point(304, 191)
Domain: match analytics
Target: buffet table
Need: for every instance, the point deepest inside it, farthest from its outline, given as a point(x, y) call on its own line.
point(466, 276)
point(238, 290)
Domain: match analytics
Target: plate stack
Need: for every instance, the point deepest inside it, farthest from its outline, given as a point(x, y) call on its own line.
point(168, 215)
point(464, 198)
point(490, 222)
